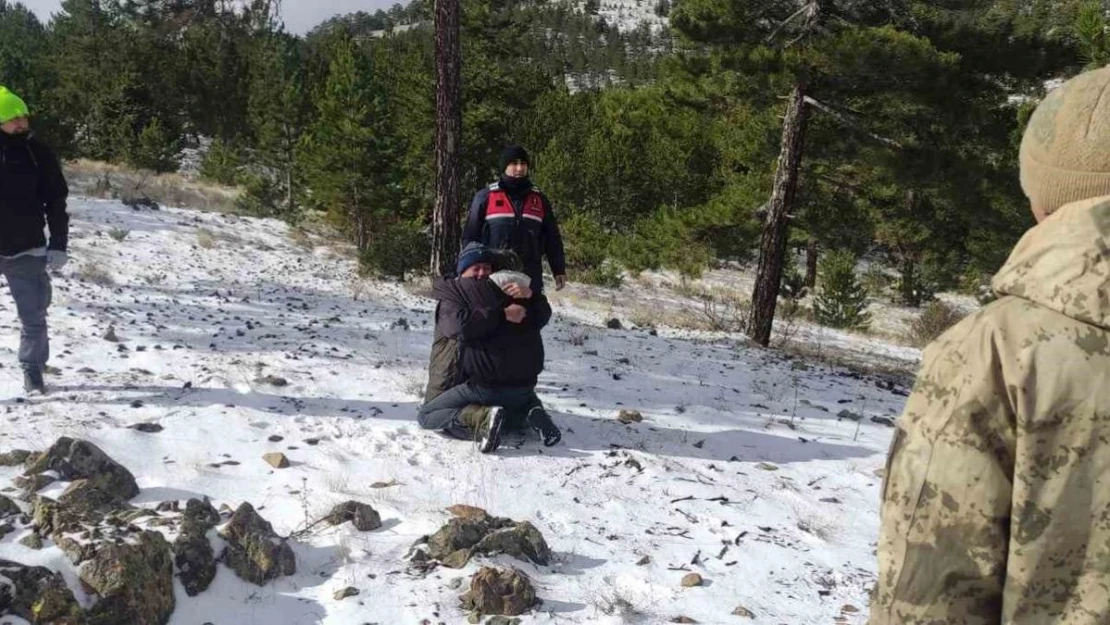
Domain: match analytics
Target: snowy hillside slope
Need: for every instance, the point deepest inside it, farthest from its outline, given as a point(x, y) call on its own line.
point(629, 15)
point(740, 471)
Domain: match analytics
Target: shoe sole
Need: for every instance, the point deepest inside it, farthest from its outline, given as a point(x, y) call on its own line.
point(492, 439)
point(548, 441)
point(540, 426)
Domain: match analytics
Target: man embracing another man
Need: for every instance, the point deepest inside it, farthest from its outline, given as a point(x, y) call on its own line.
point(487, 353)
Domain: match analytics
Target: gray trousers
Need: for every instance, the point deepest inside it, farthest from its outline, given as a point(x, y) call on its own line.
point(442, 413)
point(30, 287)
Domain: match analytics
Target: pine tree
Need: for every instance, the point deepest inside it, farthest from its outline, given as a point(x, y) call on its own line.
point(935, 123)
point(348, 153)
point(405, 69)
point(278, 113)
point(156, 148)
point(842, 300)
point(222, 163)
point(21, 44)
point(809, 50)
point(95, 75)
point(214, 67)
point(117, 76)
point(499, 87)
point(24, 69)
point(1092, 31)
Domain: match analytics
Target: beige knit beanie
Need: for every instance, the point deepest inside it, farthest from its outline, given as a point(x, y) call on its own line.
point(1065, 153)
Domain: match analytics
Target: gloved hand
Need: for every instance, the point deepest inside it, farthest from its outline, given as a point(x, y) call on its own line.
point(56, 259)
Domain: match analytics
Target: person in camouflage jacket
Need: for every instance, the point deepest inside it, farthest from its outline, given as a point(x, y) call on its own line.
point(996, 496)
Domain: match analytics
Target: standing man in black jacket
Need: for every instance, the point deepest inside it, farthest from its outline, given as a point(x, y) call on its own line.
point(33, 195)
point(513, 214)
point(500, 354)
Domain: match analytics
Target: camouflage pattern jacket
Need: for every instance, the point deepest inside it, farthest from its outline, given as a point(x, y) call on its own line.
point(996, 496)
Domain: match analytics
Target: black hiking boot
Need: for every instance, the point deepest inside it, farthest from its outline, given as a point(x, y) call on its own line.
point(32, 381)
point(489, 434)
point(543, 425)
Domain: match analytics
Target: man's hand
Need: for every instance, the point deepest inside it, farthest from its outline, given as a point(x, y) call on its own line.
point(560, 282)
point(56, 259)
point(515, 313)
point(517, 291)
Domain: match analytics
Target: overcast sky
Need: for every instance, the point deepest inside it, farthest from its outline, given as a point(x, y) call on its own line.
point(300, 15)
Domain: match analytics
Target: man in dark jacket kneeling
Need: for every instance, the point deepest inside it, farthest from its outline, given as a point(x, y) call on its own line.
point(488, 345)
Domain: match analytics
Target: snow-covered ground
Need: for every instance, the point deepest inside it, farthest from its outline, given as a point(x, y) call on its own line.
point(740, 471)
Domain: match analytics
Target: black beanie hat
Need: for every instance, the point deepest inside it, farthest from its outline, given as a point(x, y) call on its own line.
point(513, 153)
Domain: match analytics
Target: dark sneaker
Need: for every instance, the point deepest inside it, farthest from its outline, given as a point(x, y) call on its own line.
point(543, 425)
point(489, 435)
point(33, 383)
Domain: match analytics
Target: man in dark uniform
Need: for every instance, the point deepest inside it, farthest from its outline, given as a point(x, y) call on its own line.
point(513, 214)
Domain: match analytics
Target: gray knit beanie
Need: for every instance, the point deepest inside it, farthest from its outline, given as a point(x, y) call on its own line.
point(1065, 153)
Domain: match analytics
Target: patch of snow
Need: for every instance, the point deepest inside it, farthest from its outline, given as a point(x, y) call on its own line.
point(192, 157)
point(740, 471)
point(54, 489)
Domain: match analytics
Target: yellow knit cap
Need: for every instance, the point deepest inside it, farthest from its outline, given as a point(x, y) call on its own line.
point(1065, 153)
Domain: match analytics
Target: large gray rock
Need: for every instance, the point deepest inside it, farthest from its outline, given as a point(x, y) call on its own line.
point(199, 516)
point(522, 541)
point(37, 595)
point(8, 508)
point(361, 515)
point(479, 533)
point(31, 541)
point(81, 505)
point(196, 562)
point(31, 484)
point(192, 550)
point(82, 518)
point(14, 457)
point(134, 580)
point(452, 544)
point(254, 551)
point(79, 459)
point(505, 592)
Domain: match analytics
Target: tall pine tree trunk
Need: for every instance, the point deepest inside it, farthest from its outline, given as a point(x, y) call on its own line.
point(289, 161)
point(908, 286)
point(772, 244)
point(910, 294)
point(288, 189)
point(811, 263)
point(445, 220)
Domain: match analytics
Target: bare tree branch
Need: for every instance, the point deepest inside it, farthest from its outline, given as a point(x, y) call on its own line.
point(847, 120)
point(809, 11)
point(785, 23)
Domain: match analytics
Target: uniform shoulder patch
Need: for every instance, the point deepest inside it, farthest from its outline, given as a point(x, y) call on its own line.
point(494, 186)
